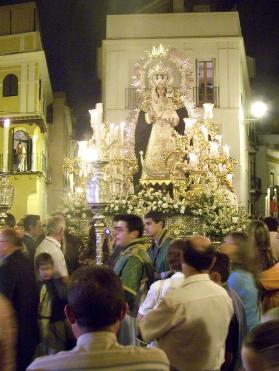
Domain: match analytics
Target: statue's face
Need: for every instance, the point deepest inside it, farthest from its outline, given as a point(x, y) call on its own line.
point(161, 90)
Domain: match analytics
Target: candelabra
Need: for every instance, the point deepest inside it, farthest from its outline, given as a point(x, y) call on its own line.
point(97, 194)
point(6, 199)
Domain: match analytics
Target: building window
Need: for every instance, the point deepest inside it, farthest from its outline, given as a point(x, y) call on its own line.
point(206, 81)
point(10, 86)
point(22, 151)
point(40, 89)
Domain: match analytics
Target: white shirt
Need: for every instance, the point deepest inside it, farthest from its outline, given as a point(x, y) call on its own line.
point(100, 351)
point(191, 323)
point(158, 290)
point(53, 247)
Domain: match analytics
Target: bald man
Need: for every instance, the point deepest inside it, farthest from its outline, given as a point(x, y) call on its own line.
point(199, 241)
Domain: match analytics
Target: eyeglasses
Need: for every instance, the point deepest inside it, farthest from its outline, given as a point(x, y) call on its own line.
point(120, 229)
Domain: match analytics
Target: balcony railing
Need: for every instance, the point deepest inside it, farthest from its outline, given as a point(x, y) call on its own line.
point(37, 163)
point(203, 95)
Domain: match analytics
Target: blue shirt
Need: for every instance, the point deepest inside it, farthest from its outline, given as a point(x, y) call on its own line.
point(244, 284)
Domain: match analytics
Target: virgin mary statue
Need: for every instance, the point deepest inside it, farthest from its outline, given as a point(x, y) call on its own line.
point(162, 111)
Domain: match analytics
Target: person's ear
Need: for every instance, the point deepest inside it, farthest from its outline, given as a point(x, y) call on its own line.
point(215, 277)
point(134, 234)
point(124, 311)
point(69, 314)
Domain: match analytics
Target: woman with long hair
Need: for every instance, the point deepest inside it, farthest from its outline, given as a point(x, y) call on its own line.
point(268, 267)
point(242, 278)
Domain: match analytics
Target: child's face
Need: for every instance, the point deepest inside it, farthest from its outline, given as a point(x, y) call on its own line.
point(45, 272)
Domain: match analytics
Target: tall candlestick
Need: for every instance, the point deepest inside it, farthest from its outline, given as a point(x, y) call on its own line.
point(6, 145)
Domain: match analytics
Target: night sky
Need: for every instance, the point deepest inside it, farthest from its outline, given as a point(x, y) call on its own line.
point(73, 29)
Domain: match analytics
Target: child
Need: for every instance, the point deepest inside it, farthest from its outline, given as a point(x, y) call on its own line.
point(53, 298)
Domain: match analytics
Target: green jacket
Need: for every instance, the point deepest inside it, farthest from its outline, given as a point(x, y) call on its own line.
point(158, 252)
point(134, 268)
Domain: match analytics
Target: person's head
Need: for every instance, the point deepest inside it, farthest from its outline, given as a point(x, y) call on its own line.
point(9, 242)
point(32, 225)
point(10, 221)
point(272, 223)
point(44, 266)
point(259, 237)
point(174, 255)
point(238, 248)
point(56, 228)
point(96, 300)
point(197, 259)
point(260, 350)
point(199, 240)
point(161, 90)
point(220, 270)
point(115, 219)
point(154, 222)
point(128, 228)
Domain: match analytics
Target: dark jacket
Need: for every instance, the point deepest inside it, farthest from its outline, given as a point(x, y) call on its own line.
point(58, 296)
point(18, 284)
point(30, 245)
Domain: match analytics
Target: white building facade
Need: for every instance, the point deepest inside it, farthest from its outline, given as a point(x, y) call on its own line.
point(214, 44)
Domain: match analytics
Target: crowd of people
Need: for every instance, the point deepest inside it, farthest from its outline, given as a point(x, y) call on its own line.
point(178, 304)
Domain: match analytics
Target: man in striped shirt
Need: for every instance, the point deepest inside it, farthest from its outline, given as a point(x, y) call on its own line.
point(96, 307)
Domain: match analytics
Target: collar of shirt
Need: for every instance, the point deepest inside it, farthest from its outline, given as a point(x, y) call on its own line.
point(196, 278)
point(161, 238)
point(132, 244)
point(29, 235)
point(53, 240)
point(177, 275)
point(100, 340)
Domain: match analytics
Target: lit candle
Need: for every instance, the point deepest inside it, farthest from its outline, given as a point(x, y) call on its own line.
point(229, 178)
point(6, 145)
point(189, 123)
point(208, 111)
point(226, 150)
point(213, 149)
point(219, 138)
point(204, 131)
point(193, 160)
point(220, 168)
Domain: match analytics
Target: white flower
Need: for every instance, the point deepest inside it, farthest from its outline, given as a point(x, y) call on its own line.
point(83, 216)
point(182, 210)
point(175, 206)
point(116, 208)
point(165, 205)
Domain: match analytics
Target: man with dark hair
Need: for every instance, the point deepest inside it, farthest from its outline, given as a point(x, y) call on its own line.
point(272, 224)
point(17, 283)
point(32, 230)
point(96, 307)
point(192, 321)
point(154, 224)
point(133, 266)
point(219, 273)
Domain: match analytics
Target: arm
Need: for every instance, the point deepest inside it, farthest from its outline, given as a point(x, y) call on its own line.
point(7, 281)
point(131, 277)
point(150, 300)
point(159, 321)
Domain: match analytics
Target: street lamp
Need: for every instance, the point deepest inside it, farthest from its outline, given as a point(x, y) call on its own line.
point(258, 109)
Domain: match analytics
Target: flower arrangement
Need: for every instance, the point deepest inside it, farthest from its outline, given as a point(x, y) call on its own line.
point(77, 213)
point(217, 210)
